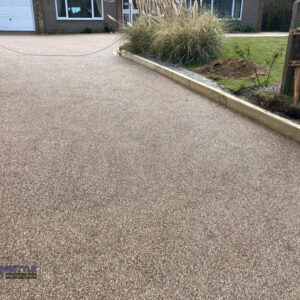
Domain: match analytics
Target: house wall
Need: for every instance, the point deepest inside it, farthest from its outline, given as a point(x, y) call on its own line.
point(38, 16)
point(46, 22)
point(52, 25)
point(252, 14)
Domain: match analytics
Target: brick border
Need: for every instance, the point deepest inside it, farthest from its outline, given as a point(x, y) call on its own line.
point(40, 17)
point(119, 14)
point(260, 16)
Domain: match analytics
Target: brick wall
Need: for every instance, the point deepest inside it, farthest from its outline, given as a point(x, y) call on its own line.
point(252, 14)
point(46, 17)
point(119, 13)
point(46, 9)
point(39, 17)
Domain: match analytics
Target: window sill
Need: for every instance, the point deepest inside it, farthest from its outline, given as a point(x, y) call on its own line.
point(230, 19)
point(79, 19)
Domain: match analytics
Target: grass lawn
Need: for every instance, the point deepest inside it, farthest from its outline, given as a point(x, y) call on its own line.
point(260, 47)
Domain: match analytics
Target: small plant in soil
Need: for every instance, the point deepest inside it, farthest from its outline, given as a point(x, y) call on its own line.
point(246, 55)
point(271, 59)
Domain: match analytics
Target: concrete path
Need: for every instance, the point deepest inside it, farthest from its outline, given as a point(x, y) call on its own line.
point(118, 183)
point(258, 34)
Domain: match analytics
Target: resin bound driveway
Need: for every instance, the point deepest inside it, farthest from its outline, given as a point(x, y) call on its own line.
point(118, 183)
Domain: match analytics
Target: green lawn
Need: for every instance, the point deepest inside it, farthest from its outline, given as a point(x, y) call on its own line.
point(260, 47)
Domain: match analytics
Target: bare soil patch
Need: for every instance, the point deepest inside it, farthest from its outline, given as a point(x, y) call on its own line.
point(229, 68)
point(269, 97)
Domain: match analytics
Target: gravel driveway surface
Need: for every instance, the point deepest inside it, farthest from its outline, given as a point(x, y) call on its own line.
point(118, 183)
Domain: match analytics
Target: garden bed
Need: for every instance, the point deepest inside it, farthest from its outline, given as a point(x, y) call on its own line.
point(229, 68)
point(247, 67)
point(260, 48)
point(269, 97)
point(270, 120)
point(266, 96)
point(237, 77)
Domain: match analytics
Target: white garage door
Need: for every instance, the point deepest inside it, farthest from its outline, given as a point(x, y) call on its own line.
point(16, 15)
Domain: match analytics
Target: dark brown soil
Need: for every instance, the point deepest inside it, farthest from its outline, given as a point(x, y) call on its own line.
point(229, 68)
point(268, 97)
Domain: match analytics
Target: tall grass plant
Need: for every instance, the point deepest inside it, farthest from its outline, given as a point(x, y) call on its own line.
point(171, 31)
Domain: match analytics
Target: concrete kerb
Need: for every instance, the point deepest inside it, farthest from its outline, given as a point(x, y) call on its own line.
point(270, 120)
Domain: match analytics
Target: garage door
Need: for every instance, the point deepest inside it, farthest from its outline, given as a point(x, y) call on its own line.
point(16, 15)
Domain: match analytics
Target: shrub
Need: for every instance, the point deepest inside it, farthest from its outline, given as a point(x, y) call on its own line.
point(270, 60)
point(176, 34)
point(188, 40)
point(141, 35)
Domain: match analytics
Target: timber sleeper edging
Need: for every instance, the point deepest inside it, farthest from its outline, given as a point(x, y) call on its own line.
point(270, 120)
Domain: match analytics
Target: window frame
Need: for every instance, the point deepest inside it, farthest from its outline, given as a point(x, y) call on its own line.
point(232, 10)
point(93, 18)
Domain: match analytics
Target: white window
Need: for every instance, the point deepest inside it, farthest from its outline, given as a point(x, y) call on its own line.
point(79, 9)
point(223, 8)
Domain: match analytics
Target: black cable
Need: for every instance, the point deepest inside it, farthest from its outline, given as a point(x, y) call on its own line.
point(60, 55)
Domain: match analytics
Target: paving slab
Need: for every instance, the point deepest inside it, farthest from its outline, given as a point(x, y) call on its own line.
point(258, 34)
